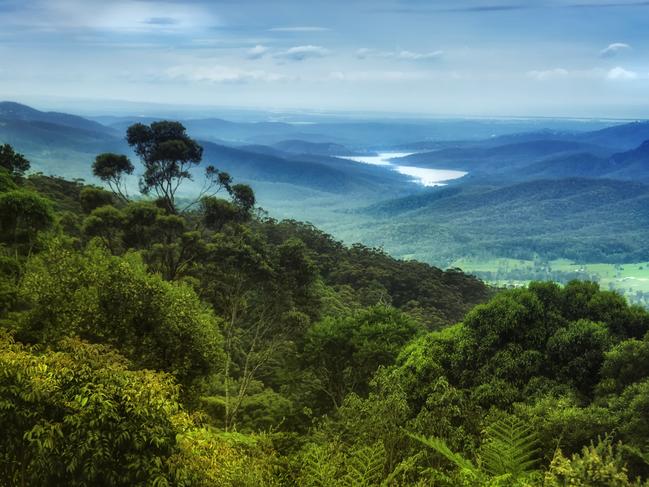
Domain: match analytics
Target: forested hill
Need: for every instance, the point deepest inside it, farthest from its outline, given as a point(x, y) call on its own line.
point(588, 220)
point(155, 341)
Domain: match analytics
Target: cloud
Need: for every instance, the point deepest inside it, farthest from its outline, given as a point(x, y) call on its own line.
point(419, 56)
point(221, 74)
point(621, 73)
point(547, 74)
point(365, 53)
point(617, 73)
point(113, 16)
point(304, 28)
point(488, 8)
point(371, 76)
point(300, 53)
point(425, 8)
point(160, 21)
point(613, 49)
point(608, 4)
point(257, 52)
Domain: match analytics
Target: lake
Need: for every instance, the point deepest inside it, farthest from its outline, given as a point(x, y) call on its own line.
point(420, 175)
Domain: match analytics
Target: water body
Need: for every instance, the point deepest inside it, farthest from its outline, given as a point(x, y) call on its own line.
point(420, 175)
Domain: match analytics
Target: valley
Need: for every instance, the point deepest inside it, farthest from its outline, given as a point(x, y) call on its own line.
point(452, 193)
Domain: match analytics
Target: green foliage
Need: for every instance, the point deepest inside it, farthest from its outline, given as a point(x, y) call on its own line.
point(439, 445)
point(131, 313)
point(625, 364)
point(167, 154)
point(79, 416)
point(320, 465)
point(111, 169)
point(346, 352)
point(510, 448)
point(92, 198)
point(208, 458)
point(598, 465)
point(6, 181)
point(23, 214)
point(507, 455)
point(114, 300)
point(217, 212)
point(365, 466)
point(12, 161)
point(578, 352)
point(323, 466)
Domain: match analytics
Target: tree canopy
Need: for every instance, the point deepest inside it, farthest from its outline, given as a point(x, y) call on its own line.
point(197, 343)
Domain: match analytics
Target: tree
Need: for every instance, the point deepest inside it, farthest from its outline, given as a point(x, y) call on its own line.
point(92, 198)
point(107, 299)
point(106, 223)
point(345, 352)
point(23, 214)
point(576, 353)
point(168, 154)
point(12, 161)
point(111, 168)
point(243, 197)
point(78, 415)
point(217, 212)
point(598, 465)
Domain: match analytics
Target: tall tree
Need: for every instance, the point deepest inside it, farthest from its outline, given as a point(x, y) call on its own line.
point(12, 161)
point(111, 168)
point(168, 154)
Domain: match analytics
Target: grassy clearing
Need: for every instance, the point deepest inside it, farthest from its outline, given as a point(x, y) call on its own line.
point(631, 279)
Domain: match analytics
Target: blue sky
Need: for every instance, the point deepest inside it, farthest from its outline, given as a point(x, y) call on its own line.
point(582, 58)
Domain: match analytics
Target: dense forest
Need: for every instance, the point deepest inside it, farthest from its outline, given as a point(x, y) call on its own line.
point(158, 340)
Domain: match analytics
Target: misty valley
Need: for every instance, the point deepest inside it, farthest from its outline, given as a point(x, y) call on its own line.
point(509, 200)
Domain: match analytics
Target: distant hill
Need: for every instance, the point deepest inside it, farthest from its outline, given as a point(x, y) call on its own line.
point(56, 143)
point(582, 219)
point(62, 144)
point(16, 112)
point(320, 148)
point(498, 159)
point(629, 165)
point(321, 173)
point(622, 137)
point(224, 131)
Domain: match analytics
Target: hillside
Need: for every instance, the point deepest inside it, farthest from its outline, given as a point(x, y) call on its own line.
point(500, 159)
point(594, 220)
point(12, 111)
point(332, 175)
point(240, 350)
point(65, 145)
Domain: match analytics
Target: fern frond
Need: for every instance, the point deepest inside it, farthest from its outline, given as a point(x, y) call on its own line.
point(510, 447)
point(319, 467)
point(365, 466)
point(442, 448)
point(406, 466)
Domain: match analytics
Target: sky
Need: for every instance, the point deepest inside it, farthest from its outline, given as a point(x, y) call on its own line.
point(564, 58)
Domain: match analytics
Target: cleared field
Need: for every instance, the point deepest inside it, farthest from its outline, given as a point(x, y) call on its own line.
point(631, 279)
